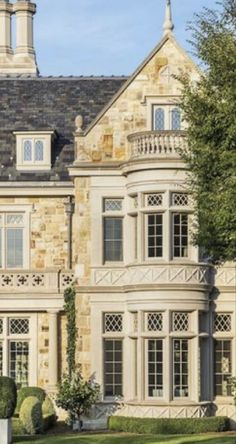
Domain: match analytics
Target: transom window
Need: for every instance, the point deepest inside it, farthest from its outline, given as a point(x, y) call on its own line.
point(222, 322)
point(11, 240)
point(113, 322)
point(154, 321)
point(113, 204)
point(154, 200)
point(180, 321)
point(19, 326)
point(180, 199)
point(223, 367)
point(180, 231)
point(181, 368)
point(155, 367)
point(154, 235)
point(166, 117)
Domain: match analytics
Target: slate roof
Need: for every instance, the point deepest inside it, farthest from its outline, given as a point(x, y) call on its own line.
point(49, 103)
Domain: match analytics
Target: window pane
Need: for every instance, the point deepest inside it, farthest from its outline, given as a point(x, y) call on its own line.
point(14, 247)
point(113, 239)
point(155, 368)
point(159, 119)
point(180, 231)
point(175, 119)
point(1, 359)
point(154, 232)
point(222, 368)
point(27, 151)
point(19, 362)
point(39, 150)
point(1, 252)
point(180, 366)
point(113, 367)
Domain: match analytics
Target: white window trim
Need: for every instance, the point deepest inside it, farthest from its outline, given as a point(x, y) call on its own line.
point(21, 137)
point(161, 102)
point(26, 209)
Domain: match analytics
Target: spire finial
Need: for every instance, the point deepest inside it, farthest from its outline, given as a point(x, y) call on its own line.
point(168, 23)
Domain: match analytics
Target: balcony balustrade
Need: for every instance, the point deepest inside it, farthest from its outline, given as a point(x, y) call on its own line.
point(20, 281)
point(157, 144)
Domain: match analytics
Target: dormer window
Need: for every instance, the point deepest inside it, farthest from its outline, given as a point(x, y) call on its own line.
point(33, 150)
point(166, 117)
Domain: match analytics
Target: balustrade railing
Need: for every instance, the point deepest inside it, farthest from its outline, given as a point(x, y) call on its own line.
point(16, 281)
point(163, 144)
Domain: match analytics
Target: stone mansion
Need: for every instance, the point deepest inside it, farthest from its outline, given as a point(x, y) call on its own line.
point(92, 190)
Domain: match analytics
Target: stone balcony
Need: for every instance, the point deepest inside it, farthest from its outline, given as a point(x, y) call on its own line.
point(156, 144)
point(22, 281)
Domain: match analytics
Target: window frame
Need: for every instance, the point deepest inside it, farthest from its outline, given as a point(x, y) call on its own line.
point(46, 137)
point(180, 257)
point(112, 214)
point(146, 242)
point(222, 339)
point(168, 117)
point(147, 374)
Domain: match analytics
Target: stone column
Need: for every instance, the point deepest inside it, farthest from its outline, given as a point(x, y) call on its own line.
point(53, 350)
point(5, 28)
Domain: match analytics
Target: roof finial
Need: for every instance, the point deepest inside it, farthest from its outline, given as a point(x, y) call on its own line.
point(168, 23)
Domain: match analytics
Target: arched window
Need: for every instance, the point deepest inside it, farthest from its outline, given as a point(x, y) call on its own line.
point(27, 151)
point(176, 119)
point(159, 119)
point(38, 151)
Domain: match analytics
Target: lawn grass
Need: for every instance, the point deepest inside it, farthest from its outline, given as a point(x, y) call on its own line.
point(128, 439)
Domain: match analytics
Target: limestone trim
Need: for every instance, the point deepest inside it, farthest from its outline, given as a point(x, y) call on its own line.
point(33, 189)
point(34, 281)
point(22, 137)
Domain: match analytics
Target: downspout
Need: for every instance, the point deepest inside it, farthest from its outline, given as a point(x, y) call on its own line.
point(69, 210)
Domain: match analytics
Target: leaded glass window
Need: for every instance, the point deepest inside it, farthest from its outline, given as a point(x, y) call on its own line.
point(155, 368)
point(175, 119)
point(159, 119)
point(113, 239)
point(222, 322)
point(19, 362)
point(181, 368)
point(27, 151)
point(113, 367)
point(39, 148)
point(113, 322)
point(222, 367)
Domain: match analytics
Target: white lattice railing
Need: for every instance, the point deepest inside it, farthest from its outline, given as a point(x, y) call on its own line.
point(152, 274)
point(162, 144)
point(35, 281)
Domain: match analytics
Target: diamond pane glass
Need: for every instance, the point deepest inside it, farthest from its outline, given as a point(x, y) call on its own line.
point(175, 119)
point(154, 322)
point(159, 119)
point(19, 326)
point(39, 150)
point(15, 219)
point(222, 322)
point(27, 151)
point(180, 199)
point(113, 204)
point(154, 200)
point(180, 321)
point(19, 362)
point(113, 322)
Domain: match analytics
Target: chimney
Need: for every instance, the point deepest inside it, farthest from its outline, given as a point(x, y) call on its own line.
point(25, 58)
point(6, 53)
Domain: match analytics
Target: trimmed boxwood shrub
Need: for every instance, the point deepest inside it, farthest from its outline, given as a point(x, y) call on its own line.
point(8, 397)
point(49, 413)
point(31, 415)
point(24, 392)
point(169, 426)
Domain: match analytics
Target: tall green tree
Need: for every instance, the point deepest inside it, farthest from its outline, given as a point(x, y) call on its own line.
point(209, 107)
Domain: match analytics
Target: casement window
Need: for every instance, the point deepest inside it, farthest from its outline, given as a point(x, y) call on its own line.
point(180, 235)
point(166, 117)
point(113, 230)
point(154, 234)
point(222, 367)
point(33, 150)
point(155, 367)
point(180, 368)
point(12, 240)
point(16, 347)
point(113, 354)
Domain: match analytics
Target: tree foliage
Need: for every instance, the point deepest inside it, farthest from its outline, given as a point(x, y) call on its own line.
point(209, 107)
point(70, 310)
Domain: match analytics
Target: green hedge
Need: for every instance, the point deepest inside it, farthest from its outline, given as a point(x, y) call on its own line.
point(31, 415)
point(168, 426)
point(24, 392)
point(8, 397)
point(49, 414)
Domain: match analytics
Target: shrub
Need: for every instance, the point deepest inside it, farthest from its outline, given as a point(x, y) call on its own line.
point(24, 392)
point(31, 415)
point(49, 413)
point(8, 397)
point(169, 426)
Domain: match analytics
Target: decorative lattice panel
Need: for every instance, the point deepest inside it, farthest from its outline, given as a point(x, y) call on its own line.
point(180, 321)
point(113, 322)
point(112, 204)
point(15, 219)
point(1, 326)
point(19, 326)
point(154, 322)
point(180, 199)
point(154, 200)
point(222, 322)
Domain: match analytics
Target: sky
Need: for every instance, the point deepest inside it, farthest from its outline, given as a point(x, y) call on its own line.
point(104, 37)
